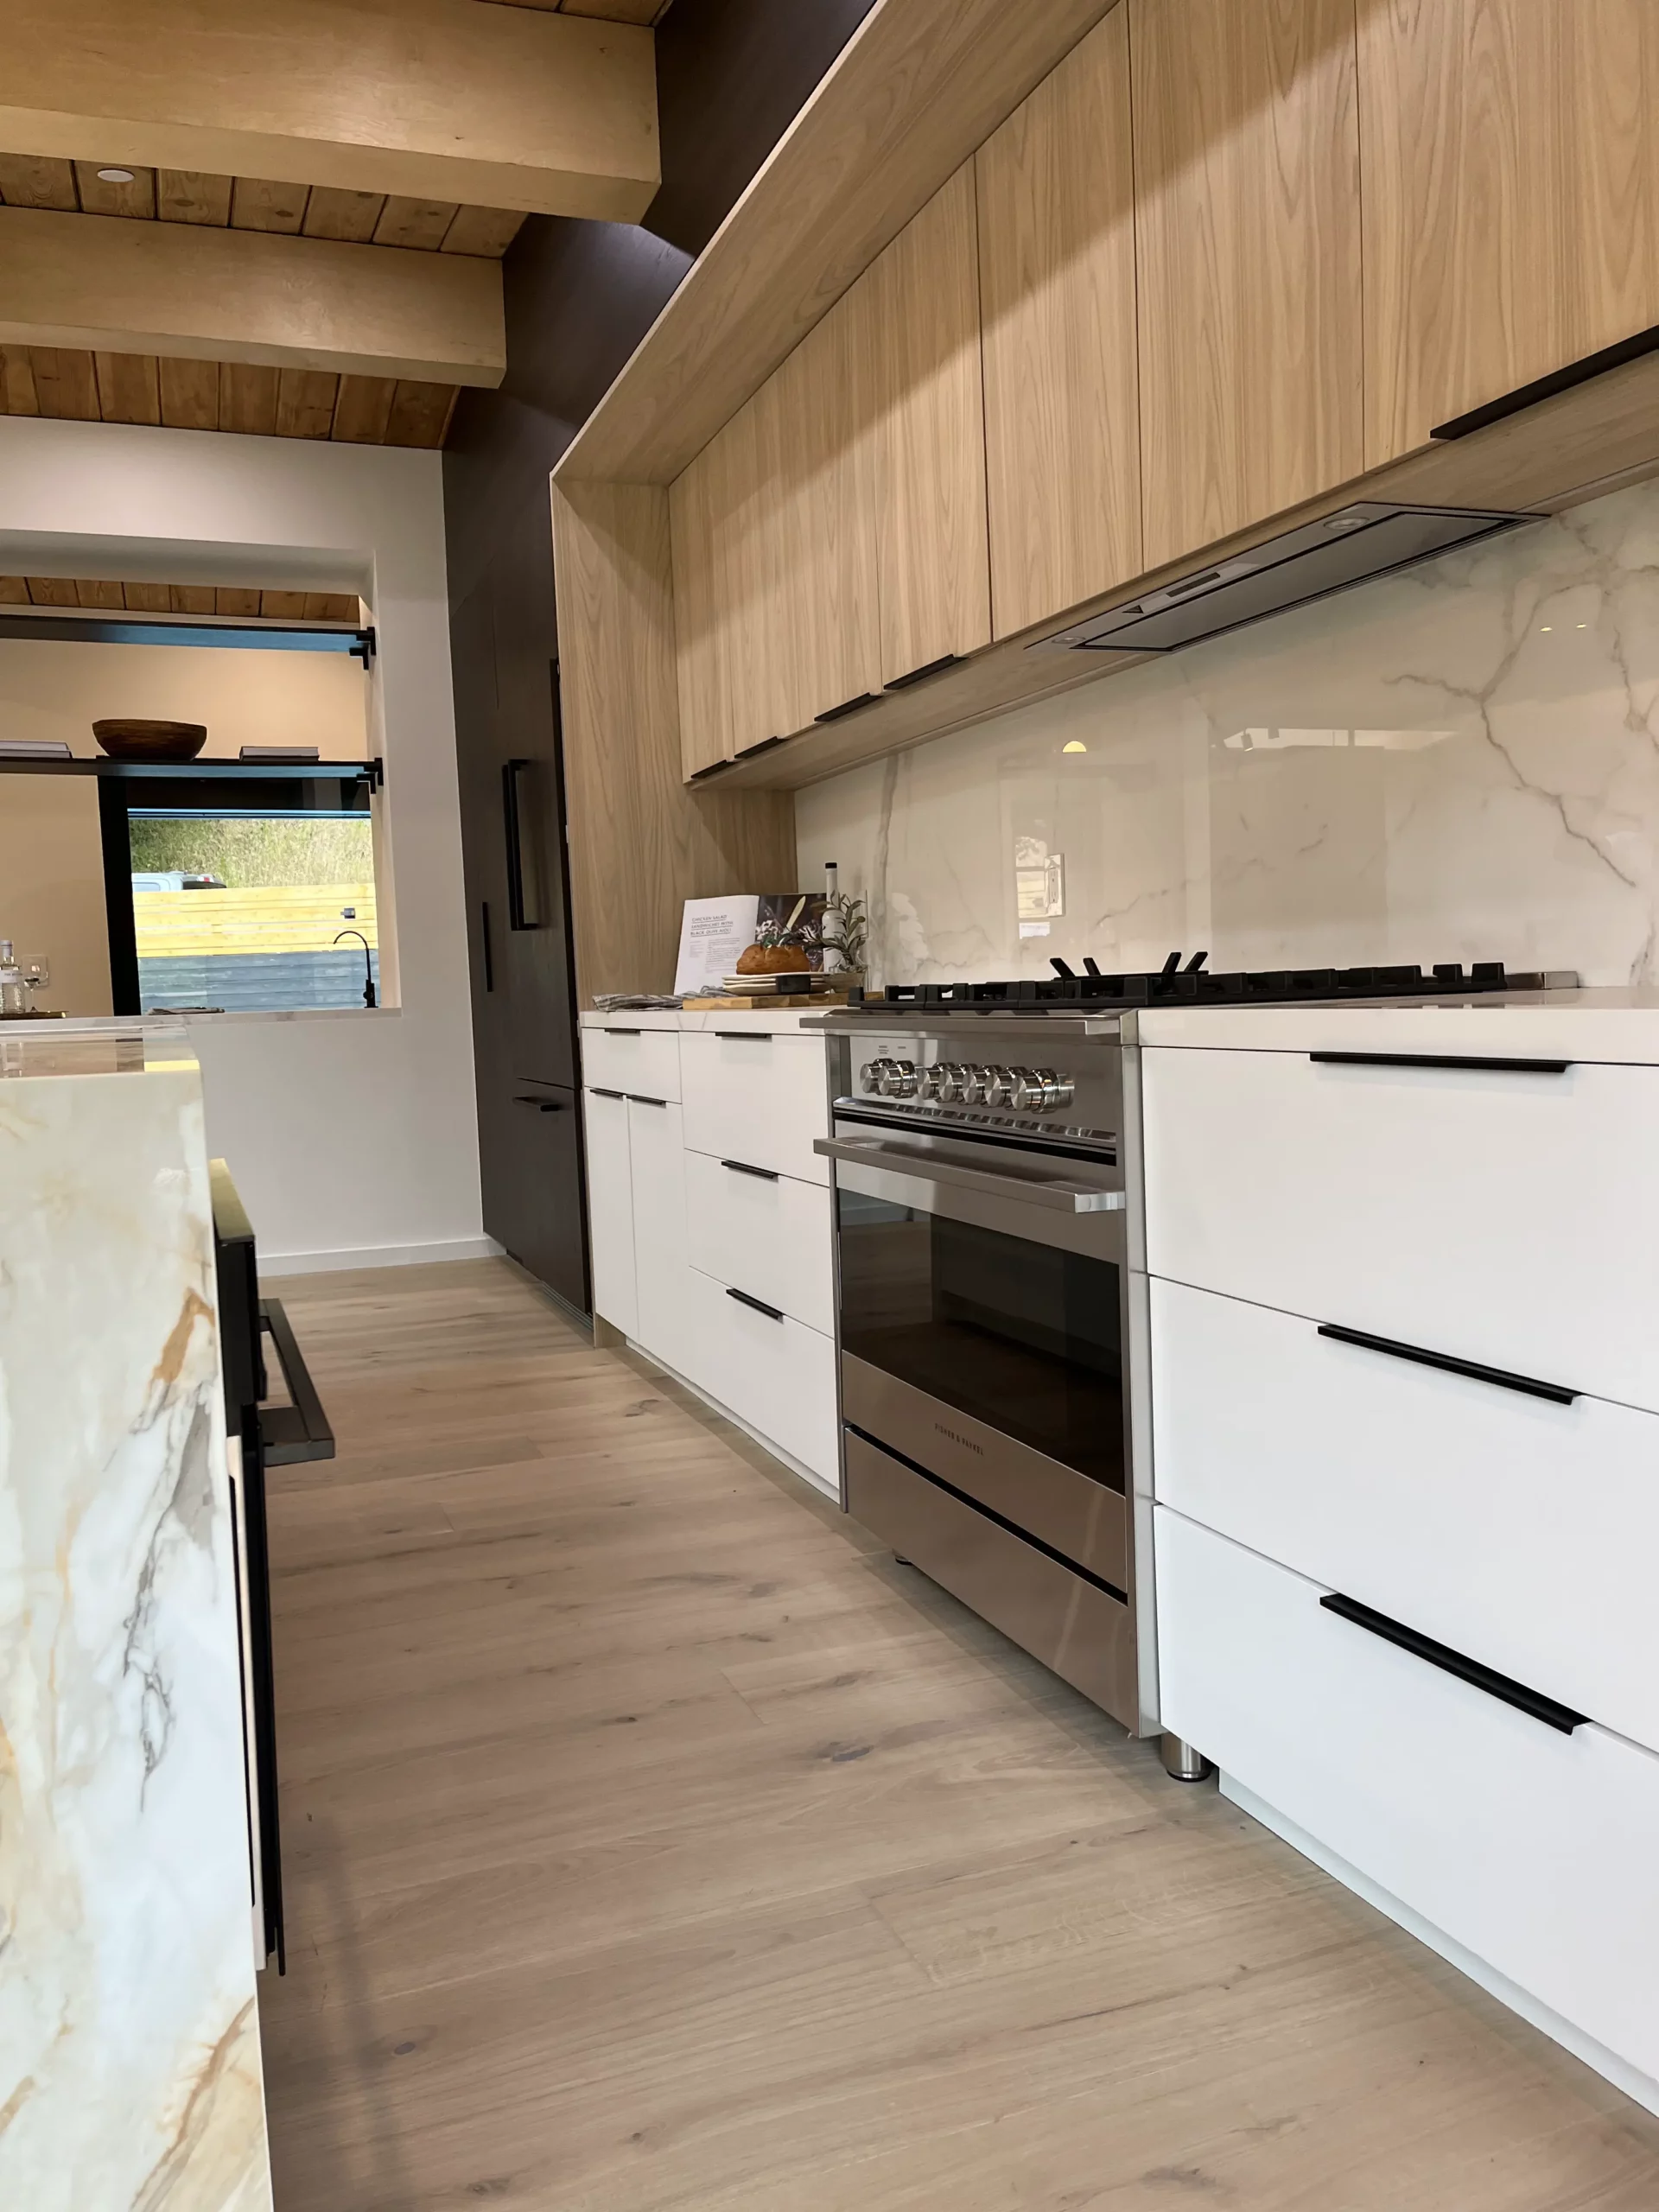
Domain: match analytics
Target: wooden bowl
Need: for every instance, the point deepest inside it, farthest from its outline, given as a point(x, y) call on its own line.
point(139, 740)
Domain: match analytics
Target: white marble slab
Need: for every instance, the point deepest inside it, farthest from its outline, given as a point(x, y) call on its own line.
point(1457, 763)
point(130, 2072)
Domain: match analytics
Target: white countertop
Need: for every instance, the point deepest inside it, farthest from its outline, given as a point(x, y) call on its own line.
point(1608, 1024)
point(56, 1048)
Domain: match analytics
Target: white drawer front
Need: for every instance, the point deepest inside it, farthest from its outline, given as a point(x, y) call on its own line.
point(663, 1302)
point(1533, 1849)
point(1510, 1219)
point(1519, 1531)
point(778, 1376)
point(645, 1060)
point(760, 1099)
point(610, 1212)
point(767, 1233)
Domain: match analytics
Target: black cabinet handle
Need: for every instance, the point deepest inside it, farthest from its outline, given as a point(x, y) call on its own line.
point(1545, 387)
point(759, 1304)
point(546, 1105)
point(740, 1036)
point(611, 1031)
point(847, 707)
point(761, 744)
point(920, 675)
point(598, 1093)
point(523, 911)
point(299, 1430)
point(634, 1099)
point(1500, 1378)
point(489, 951)
point(742, 1167)
point(1533, 1702)
point(1439, 1060)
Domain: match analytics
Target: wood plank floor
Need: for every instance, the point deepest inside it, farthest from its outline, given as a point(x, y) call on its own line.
point(656, 1843)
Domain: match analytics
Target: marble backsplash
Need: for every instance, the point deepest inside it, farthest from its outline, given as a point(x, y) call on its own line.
point(1457, 763)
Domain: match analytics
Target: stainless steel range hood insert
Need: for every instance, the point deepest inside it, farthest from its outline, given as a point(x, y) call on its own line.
point(1340, 551)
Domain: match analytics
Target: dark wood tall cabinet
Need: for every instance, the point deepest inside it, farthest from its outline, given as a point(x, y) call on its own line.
point(513, 844)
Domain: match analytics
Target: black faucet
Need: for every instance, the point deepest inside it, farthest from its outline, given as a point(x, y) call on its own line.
point(368, 964)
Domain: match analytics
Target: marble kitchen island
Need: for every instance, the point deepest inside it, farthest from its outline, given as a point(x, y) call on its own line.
point(130, 2065)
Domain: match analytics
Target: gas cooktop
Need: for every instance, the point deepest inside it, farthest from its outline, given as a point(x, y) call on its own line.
point(1194, 984)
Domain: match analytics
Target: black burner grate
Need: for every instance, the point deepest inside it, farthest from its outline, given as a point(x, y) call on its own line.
point(1196, 985)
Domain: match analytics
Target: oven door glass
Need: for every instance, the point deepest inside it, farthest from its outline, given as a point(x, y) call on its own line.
point(1013, 1331)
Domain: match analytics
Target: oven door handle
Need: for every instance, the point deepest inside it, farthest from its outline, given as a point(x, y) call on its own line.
point(1059, 1197)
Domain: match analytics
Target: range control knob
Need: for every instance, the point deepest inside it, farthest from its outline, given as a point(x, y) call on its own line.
point(996, 1086)
point(1025, 1090)
point(898, 1079)
point(931, 1082)
point(870, 1076)
point(1058, 1089)
point(956, 1082)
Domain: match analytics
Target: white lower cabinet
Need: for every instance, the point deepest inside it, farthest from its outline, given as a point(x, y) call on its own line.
point(666, 1324)
point(1533, 1849)
point(776, 1374)
point(1518, 1530)
point(766, 1232)
point(758, 1098)
point(610, 1210)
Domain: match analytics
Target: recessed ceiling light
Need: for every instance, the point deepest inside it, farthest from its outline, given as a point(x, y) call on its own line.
point(1345, 522)
point(116, 177)
point(1075, 746)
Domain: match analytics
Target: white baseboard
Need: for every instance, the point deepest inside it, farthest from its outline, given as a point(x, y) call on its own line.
point(377, 1256)
point(1637, 2086)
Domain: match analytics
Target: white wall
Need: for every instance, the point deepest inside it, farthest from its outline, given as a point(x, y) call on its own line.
point(53, 690)
point(1457, 763)
point(352, 1137)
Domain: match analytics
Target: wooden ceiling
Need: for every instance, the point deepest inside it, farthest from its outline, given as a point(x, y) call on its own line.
point(247, 601)
point(237, 396)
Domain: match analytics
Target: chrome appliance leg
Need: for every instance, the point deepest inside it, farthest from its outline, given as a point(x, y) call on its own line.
point(1181, 1762)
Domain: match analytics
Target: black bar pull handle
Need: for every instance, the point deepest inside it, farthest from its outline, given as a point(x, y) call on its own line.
point(920, 675)
point(742, 1036)
point(759, 1304)
point(545, 1105)
point(611, 1030)
point(523, 911)
point(847, 707)
point(1478, 1062)
point(598, 1093)
point(489, 949)
point(1545, 387)
point(761, 1174)
point(1499, 1377)
point(1502, 1687)
point(634, 1099)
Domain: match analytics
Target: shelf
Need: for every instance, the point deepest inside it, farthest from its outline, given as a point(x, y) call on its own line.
point(920, 85)
point(204, 769)
point(82, 628)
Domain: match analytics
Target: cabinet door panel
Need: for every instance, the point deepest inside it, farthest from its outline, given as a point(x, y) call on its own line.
point(693, 500)
point(657, 1154)
point(1511, 197)
point(1056, 270)
point(610, 1210)
point(748, 568)
point(831, 646)
point(1247, 231)
point(933, 559)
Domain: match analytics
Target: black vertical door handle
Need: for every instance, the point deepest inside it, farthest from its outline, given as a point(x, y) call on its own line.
point(489, 951)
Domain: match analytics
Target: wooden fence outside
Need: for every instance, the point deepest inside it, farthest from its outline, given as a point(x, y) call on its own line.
point(172, 924)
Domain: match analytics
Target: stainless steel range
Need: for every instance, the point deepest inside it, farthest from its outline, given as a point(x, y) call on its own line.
point(993, 1296)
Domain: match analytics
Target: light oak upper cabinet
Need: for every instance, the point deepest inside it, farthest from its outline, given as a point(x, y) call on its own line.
point(1248, 240)
point(726, 516)
point(1511, 197)
point(933, 564)
point(695, 501)
point(832, 653)
point(1057, 276)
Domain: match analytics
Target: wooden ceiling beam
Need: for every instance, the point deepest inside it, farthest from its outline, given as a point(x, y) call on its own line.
point(426, 99)
point(184, 291)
